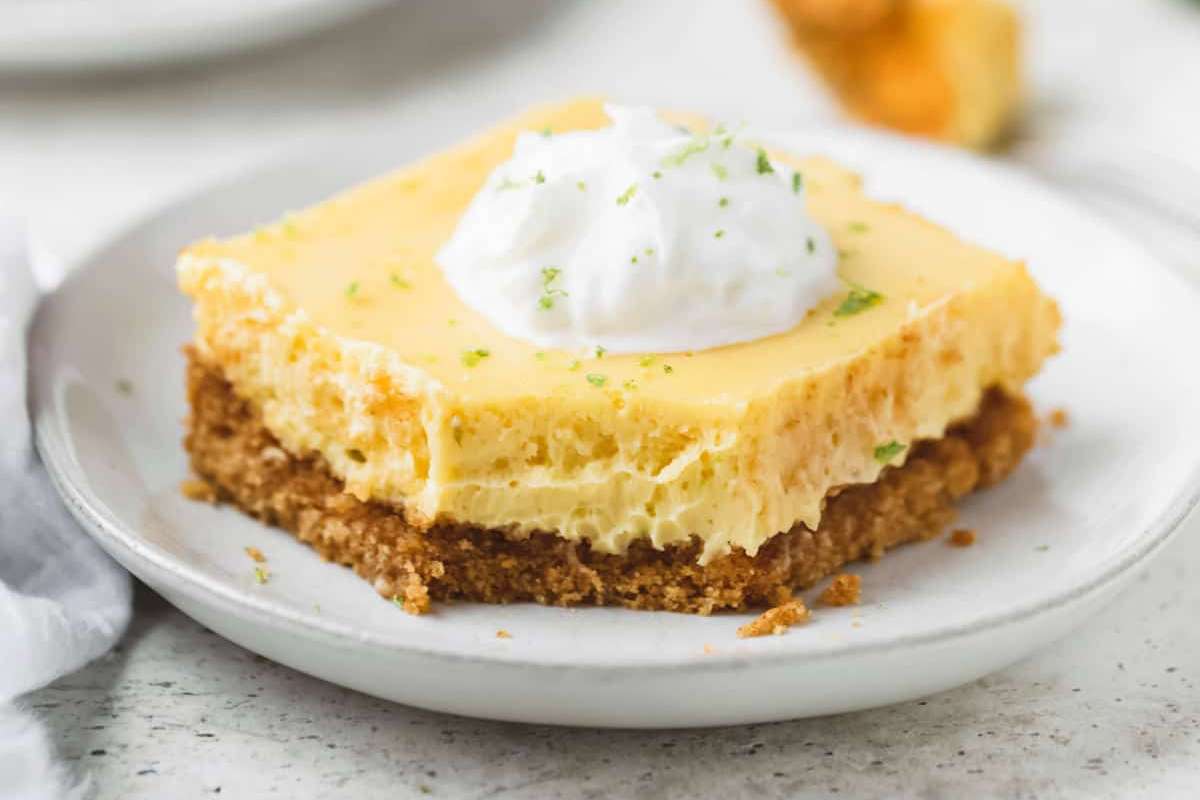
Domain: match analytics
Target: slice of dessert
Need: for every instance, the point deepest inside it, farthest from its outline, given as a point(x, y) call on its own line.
point(945, 69)
point(573, 361)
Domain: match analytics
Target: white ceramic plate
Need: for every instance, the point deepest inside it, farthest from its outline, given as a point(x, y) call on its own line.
point(1055, 541)
point(86, 34)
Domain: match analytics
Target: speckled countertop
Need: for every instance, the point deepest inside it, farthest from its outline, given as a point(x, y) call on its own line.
point(1113, 711)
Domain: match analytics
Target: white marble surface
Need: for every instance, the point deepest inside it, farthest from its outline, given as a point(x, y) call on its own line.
point(1113, 711)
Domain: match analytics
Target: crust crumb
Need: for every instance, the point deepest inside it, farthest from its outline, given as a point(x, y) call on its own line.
point(416, 598)
point(503, 634)
point(199, 490)
point(963, 537)
point(256, 554)
point(775, 621)
point(1059, 418)
point(845, 590)
point(709, 649)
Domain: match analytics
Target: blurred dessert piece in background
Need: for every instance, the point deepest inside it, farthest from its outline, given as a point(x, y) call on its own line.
point(944, 69)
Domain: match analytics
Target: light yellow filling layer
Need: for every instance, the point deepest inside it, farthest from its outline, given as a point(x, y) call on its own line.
point(337, 324)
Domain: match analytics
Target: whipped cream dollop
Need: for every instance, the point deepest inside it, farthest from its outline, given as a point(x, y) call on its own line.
point(640, 238)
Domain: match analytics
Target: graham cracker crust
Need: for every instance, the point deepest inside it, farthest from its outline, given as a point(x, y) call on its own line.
point(232, 450)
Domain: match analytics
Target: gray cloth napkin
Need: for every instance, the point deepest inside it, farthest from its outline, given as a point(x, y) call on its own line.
point(63, 602)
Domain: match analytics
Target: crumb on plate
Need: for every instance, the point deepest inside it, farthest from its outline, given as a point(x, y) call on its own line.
point(1059, 418)
point(963, 537)
point(503, 634)
point(196, 489)
point(256, 554)
point(845, 590)
point(776, 620)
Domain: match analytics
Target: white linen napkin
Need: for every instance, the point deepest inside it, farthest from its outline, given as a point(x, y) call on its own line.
point(63, 602)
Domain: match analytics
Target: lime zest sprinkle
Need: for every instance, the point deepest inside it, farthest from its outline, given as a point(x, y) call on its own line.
point(646, 361)
point(726, 137)
point(507, 183)
point(627, 195)
point(261, 575)
point(723, 202)
point(399, 282)
point(397, 602)
point(656, 174)
point(858, 299)
point(540, 355)
point(630, 385)
point(549, 292)
point(797, 182)
point(762, 164)
point(600, 351)
point(471, 358)
point(668, 369)
point(720, 171)
point(452, 322)
point(810, 245)
point(539, 177)
point(633, 259)
point(858, 227)
point(574, 365)
point(649, 251)
point(719, 233)
point(884, 453)
point(547, 132)
point(596, 379)
point(581, 186)
point(352, 289)
point(697, 144)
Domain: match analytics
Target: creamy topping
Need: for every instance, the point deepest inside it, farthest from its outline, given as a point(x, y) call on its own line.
point(640, 238)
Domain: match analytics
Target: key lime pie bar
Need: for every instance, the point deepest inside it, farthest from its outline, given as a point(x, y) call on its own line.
point(593, 357)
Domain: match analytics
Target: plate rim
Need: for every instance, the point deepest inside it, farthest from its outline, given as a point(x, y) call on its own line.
point(54, 449)
point(39, 45)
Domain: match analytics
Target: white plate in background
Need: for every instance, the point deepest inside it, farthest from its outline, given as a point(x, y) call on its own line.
point(1055, 541)
point(78, 34)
